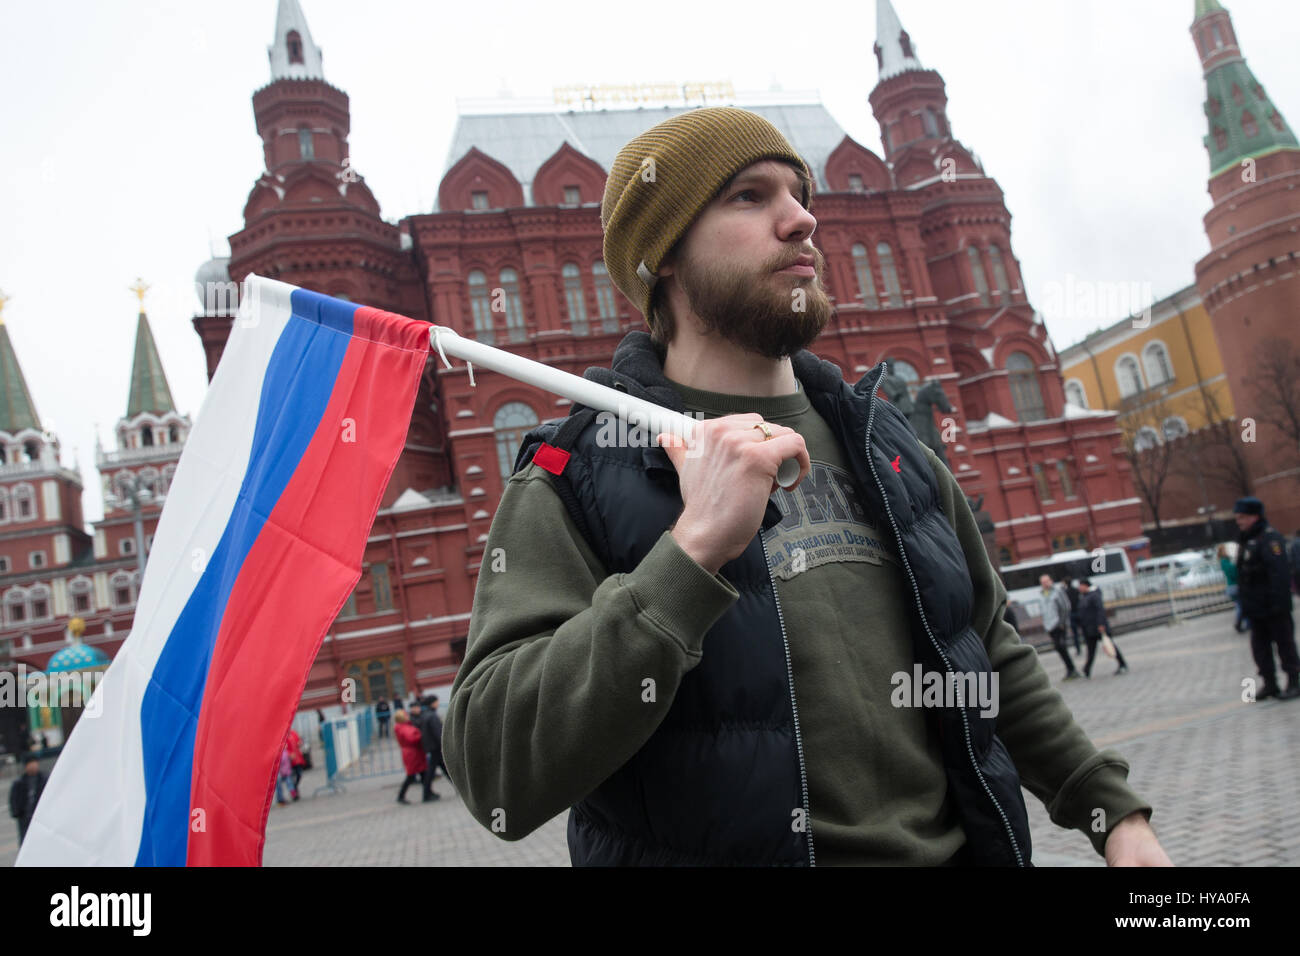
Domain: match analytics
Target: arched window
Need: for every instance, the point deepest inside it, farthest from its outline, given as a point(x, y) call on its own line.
point(24, 502)
point(293, 43)
point(1075, 395)
point(38, 601)
point(606, 303)
point(31, 451)
point(977, 272)
point(146, 436)
point(1175, 426)
point(514, 306)
point(480, 304)
point(173, 434)
point(121, 587)
point(1218, 37)
point(148, 480)
point(907, 372)
point(1155, 359)
point(122, 488)
point(1248, 124)
point(999, 270)
point(1146, 437)
point(80, 589)
point(1025, 393)
point(927, 121)
point(306, 149)
point(1040, 479)
point(1063, 473)
point(866, 284)
point(1129, 376)
point(380, 586)
point(15, 605)
point(512, 420)
point(889, 274)
point(573, 296)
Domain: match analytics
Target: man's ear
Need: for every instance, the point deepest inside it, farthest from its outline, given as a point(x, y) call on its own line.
point(668, 265)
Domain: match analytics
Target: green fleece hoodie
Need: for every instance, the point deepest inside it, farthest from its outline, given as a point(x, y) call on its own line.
point(533, 726)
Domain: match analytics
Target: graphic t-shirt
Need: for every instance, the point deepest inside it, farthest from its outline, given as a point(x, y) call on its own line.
point(877, 791)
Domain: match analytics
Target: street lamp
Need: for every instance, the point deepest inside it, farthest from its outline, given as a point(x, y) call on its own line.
point(137, 497)
point(1208, 512)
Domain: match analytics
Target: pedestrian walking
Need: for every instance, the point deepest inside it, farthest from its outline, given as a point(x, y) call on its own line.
point(413, 760)
point(1056, 614)
point(1076, 630)
point(383, 713)
point(1092, 617)
point(297, 761)
point(25, 793)
point(1264, 585)
point(284, 778)
point(430, 725)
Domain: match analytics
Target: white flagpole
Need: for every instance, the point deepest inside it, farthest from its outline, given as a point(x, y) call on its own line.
point(638, 412)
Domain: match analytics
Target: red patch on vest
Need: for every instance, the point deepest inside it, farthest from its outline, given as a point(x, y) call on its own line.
point(551, 458)
point(897, 467)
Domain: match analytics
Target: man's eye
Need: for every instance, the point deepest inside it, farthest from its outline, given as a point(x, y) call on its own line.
point(745, 192)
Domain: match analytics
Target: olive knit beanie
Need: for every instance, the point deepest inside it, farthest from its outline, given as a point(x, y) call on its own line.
point(664, 178)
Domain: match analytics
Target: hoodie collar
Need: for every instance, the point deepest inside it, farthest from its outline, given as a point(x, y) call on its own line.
point(638, 368)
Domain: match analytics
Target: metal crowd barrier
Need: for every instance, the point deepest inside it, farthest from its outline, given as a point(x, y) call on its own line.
point(353, 751)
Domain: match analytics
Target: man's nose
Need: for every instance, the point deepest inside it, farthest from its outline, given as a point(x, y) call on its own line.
point(797, 222)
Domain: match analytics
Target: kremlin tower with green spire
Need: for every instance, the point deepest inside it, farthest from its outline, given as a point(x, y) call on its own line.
point(1250, 281)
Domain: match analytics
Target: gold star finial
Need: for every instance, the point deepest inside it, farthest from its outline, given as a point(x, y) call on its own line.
point(139, 287)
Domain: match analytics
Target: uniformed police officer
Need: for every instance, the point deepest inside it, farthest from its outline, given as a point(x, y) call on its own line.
point(1264, 588)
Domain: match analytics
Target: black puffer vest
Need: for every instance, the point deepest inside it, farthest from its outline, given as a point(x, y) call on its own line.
point(722, 780)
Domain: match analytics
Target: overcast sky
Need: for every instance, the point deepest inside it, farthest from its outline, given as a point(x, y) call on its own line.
point(129, 144)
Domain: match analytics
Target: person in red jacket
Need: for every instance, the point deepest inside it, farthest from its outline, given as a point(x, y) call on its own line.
point(296, 759)
point(411, 741)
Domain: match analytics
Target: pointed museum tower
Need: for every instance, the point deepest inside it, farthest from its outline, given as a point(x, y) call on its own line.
point(1250, 280)
point(150, 437)
point(310, 219)
point(41, 524)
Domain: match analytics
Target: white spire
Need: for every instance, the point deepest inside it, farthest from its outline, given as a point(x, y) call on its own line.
point(294, 56)
point(895, 52)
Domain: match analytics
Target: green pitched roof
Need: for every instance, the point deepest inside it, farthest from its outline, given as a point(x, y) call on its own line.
point(1205, 6)
point(16, 408)
point(149, 391)
point(1238, 138)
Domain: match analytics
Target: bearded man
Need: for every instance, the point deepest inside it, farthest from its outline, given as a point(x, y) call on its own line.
point(706, 668)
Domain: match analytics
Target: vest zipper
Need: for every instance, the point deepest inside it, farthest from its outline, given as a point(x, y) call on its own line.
point(794, 707)
point(916, 593)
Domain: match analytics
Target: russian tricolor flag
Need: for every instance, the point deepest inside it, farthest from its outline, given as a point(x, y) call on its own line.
point(259, 545)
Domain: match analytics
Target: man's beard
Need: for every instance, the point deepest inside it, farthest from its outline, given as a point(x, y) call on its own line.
point(774, 317)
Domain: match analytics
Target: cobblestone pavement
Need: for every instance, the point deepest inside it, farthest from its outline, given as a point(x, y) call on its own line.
point(1221, 773)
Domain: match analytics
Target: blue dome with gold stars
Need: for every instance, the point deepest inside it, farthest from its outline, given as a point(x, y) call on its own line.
point(77, 657)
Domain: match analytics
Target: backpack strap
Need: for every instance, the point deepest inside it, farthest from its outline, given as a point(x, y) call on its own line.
point(549, 446)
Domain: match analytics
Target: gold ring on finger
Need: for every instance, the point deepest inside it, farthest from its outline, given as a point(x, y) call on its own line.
point(767, 432)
